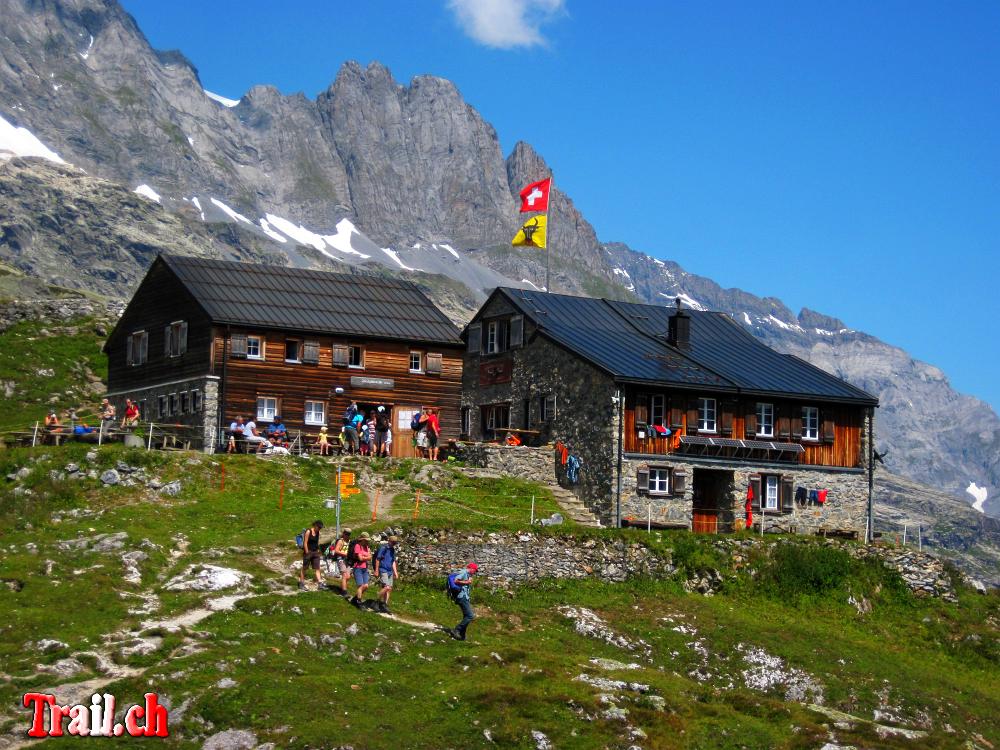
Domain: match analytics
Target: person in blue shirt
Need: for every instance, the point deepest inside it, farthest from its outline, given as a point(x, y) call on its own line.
point(463, 579)
point(276, 431)
point(386, 572)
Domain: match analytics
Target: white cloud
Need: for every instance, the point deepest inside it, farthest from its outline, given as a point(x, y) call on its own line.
point(505, 24)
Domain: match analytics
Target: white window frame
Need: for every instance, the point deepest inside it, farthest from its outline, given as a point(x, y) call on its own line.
point(266, 415)
point(298, 351)
point(810, 423)
point(466, 420)
point(765, 409)
point(173, 405)
point(137, 354)
point(707, 406)
point(491, 415)
point(360, 351)
point(659, 481)
point(547, 410)
point(185, 402)
point(771, 500)
point(497, 338)
point(419, 356)
point(174, 342)
point(259, 340)
point(309, 411)
point(658, 409)
point(196, 401)
point(162, 407)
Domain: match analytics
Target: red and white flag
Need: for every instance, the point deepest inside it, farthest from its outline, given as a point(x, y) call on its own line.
point(535, 197)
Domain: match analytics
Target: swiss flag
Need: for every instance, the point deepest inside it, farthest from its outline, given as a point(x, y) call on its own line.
point(535, 197)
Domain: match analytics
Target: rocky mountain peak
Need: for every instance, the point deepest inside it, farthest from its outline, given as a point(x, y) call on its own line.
point(812, 319)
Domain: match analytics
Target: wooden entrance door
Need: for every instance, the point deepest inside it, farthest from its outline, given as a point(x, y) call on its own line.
point(705, 522)
point(402, 435)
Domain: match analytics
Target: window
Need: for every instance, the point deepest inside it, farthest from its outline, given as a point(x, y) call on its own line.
point(196, 402)
point(810, 423)
point(254, 347)
point(496, 417)
point(547, 411)
point(293, 350)
point(658, 409)
point(175, 339)
point(706, 415)
point(466, 421)
point(185, 402)
point(136, 348)
point(659, 481)
point(267, 407)
point(355, 356)
point(161, 407)
point(765, 420)
point(770, 492)
point(497, 336)
point(416, 361)
point(173, 406)
point(315, 412)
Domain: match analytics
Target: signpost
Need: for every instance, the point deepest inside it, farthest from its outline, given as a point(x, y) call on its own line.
point(345, 488)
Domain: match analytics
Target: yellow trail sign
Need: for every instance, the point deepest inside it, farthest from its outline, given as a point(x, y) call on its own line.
point(350, 491)
point(347, 477)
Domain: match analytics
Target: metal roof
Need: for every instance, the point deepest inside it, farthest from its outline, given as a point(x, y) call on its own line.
point(297, 299)
point(629, 341)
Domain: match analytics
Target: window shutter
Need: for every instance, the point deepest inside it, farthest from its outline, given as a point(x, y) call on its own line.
point(726, 422)
point(784, 422)
point(797, 426)
point(750, 426)
point(642, 481)
point(238, 346)
point(166, 342)
point(310, 352)
point(516, 331)
point(143, 347)
point(128, 349)
point(828, 429)
point(692, 417)
point(758, 498)
point(341, 355)
point(434, 361)
point(475, 343)
point(642, 409)
point(184, 336)
point(678, 482)
point(787, 493)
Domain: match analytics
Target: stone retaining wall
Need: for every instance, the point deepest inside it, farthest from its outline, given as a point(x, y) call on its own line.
point(531, 464)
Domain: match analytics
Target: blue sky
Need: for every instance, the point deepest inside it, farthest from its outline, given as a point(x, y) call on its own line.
point(840, 156)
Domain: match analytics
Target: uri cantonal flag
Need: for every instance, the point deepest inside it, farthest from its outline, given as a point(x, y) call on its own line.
point(532, 234)
point(535, 197)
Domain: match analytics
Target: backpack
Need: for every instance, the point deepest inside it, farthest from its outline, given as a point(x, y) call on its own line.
point(300, 538)
point(415, 422)
point(349, 413)
point(451, 587)
point(352, 556)
point(382, 422)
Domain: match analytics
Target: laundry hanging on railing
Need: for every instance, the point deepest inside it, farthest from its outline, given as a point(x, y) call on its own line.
point(573, 464)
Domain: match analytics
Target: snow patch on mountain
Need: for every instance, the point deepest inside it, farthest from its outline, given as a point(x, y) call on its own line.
point(746, 318)
point(197, 204)
point(979, 493)
point(86, 54)
point(686, 299)
point(147, 192)
point(265, 227)
point(225, 102)
point(783, 325)
point(234, 215)
point(342, 239)
point(22, 142)
point(450, 249)
point(395, 256)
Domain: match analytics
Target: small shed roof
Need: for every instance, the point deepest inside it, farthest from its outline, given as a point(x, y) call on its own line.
point(303, 300)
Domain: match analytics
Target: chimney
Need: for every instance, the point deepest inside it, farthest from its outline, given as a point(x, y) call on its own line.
point(679, 334)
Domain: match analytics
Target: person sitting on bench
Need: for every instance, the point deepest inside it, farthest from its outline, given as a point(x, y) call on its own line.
point(277, 433)
point(253, 437)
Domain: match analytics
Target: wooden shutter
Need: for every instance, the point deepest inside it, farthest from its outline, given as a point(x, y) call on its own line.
point(516, 331)
point(678, 483)
point(828, 431)
point(433, 363)
point(475, 342)
point(238, 346)
point(642, 409)
point(143, 347)
point(726, 419)
point(166, 341)
point(692, 417)
point(758, 499)
point(750, 426)
point(341, 355)
point(310, 352)
point(784, 422)
point(128, 350)
point(796, 420)
point(787, 494)
point(642, 481)
point(184, 337)
point(676, 418)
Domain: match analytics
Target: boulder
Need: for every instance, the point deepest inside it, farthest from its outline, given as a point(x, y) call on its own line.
point(231, 739)
point(110, 477)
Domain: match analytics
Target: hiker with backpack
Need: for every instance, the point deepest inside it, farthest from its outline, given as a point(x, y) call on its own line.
point(383, 433)
point(358, 560)
point(342, 559)
point(458, 583)
point(386, 572)
point(308, 542)
point(433, 430)
point(419, 426)
point(350, 429)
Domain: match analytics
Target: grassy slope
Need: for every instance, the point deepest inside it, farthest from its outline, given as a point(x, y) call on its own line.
point(393, 686)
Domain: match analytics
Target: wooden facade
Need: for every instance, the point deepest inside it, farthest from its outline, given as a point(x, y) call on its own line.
point(838, 443)
point(292, 384)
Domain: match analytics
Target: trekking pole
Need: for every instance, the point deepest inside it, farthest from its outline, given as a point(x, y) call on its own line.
point(378, 494)
point(416, 508)
point(34, 436)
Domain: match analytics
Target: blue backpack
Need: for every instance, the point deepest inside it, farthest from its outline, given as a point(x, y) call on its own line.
point(451, 587)
point(415, 422)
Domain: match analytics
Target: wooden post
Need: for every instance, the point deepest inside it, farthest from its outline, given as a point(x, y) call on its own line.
point(149, 441)
point(281, 494)
point(34, 436)
point(100, 435)
point(378, 494)
point(532, 510)
point(416, 508)
point(904, 534)
point(649, 518)
point(920, 540)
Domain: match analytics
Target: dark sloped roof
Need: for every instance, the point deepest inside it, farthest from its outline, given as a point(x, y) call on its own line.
point(309, 301)
point(629, 341)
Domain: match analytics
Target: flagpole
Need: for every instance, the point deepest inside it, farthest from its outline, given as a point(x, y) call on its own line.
point(548, 234)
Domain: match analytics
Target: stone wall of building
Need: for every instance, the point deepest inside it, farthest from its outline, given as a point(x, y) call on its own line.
point(523, 462)
point(203, 421)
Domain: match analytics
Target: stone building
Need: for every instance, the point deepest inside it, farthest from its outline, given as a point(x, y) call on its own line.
point(677, 416)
